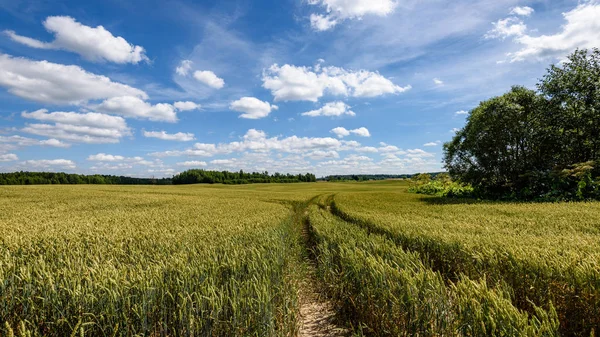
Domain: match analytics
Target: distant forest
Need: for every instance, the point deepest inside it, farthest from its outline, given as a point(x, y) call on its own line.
point(367, 177)
point(47, 178)
point(187, 177)
point(224, 177)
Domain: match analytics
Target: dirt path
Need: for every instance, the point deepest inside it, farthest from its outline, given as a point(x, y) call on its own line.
point(318, 317)
point(316, 312)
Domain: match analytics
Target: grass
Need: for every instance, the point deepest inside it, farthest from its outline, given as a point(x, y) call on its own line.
point(227, 260)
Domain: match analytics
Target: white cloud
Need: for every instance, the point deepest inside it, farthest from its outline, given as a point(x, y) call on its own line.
point(74, 133)
point(193, 163)
point(338, 10)
point(522, 11)
point(362, 132)
point(8, 157)
point(340, 132)
point(257, 141)
point(128, 161)
point(322, 22)
point(92, 119)
point(184, 67)
point(252, 107)
point(50, 163)
point(331, 109)
point(179, 136)
point(47, 82)
point(92, 128)
point(581, 30)
point(224, 162)
point(94, 44)
point(24, 141)
point(436, 143)
point(186, 106)
point(506, 28)
point(462, 112)
point(209, 78)
point(105, 157)
point(320, 155)
point(130, 106)
point(438, 82)
point(54, 143)
point(292, 83)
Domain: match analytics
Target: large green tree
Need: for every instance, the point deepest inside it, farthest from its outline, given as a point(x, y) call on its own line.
point(499, 142)
point(526, 143)
point(573, 93)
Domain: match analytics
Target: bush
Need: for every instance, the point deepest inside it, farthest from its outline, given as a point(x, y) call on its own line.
point(442, 186)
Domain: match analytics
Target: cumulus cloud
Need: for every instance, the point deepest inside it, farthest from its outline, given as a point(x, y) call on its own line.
point(581, 30)
point(184, 67)
point(436, 143)
point(252, 108)
point(438, 82)
point(209, 78)
point(292, 83)
point(331, 109)
point(339, 10)
point(362, 132)
point(192, 163)
point(186, 106)
point(340, 132)
point(506, 28)
point(94, 44)
point(49, 164)
point(92, 128)
point(92, 119)
point(109, 158)
point(343, 132)
point(320, 155)
point(8, 157)
point(322, 22)
point(19, 141)
point(258, 141)
point(47, 82)
point(105, 157)
point(179, 136)
point(522, 11)
point(131, 106)
point(462, 112)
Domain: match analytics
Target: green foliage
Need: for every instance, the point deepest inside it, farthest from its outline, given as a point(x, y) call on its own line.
point(516, 145)
point(47, 178)
point(441, 186)
point(368, 177)
point(195, 176)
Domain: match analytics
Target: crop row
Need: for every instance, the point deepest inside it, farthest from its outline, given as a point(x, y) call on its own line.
point(386, 291)
point(544, 253)
point(158, 265)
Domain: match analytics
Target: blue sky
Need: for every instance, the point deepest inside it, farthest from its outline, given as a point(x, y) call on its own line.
point(151, 88)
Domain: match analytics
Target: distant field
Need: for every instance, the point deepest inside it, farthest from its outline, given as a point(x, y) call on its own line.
point(211, 260)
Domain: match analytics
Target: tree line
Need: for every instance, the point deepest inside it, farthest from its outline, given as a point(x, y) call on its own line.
point(47, 178)
point(535, 144)
point(367, 177)
point(197, 176)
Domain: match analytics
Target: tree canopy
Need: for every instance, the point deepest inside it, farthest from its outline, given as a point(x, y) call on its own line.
point(535, 144)
point(195, 176)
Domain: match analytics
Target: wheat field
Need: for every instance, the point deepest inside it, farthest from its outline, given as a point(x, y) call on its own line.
point(211, 260)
